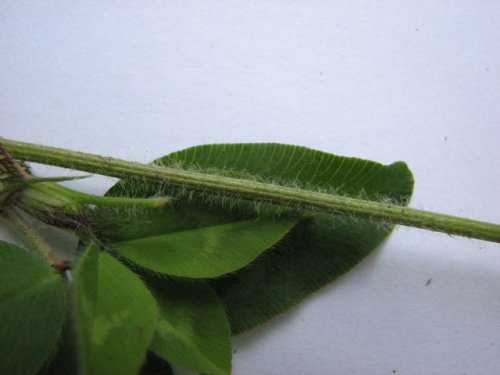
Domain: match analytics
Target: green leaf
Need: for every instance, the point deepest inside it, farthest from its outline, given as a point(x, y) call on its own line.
point(33, 303)
point(205, 252)
point(193, 331)
point(319, 249)
point(185, 240)
point(312, 254)
point(115, 315)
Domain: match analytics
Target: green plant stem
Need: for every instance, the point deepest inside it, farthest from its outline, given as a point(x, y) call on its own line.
point(34, 241)
point(379, 211)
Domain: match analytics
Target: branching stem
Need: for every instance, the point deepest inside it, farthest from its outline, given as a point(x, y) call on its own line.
point(256, 190)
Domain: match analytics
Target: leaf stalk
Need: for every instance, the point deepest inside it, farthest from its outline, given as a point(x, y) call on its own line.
point(98, 200)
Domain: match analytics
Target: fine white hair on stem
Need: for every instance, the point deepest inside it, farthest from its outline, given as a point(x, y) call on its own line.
point(231, 201)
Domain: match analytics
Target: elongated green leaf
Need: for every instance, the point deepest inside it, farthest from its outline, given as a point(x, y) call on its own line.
point(314, 253)
point(318, 250)
point(193, 331)
point(205, 252)
point(115, 315)
point(33, 303)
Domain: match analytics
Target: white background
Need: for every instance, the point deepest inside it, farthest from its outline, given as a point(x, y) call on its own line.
point(416, 80)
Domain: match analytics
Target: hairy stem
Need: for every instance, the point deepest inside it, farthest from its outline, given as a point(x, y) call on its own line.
point(256, 190)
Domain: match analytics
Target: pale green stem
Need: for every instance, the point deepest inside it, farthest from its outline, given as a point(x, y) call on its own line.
point(256, 190)
point(47, 195)
point(34, 241)
point(83, 198)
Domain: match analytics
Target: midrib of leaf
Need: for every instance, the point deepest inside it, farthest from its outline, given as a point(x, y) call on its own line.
point(222, 224)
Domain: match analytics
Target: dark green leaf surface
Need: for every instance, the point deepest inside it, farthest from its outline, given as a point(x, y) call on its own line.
point(205, 252)
point(314, 253)
point(193, 331)
point(319, 249)
point(33, 303)
point(115, 315)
